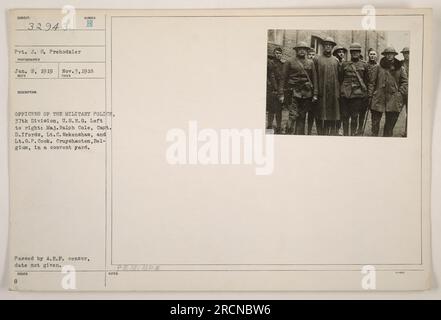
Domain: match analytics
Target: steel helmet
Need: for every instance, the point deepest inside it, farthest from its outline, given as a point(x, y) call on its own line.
point(355, 47)
point(389, 50)
point(302, 44)
point(339, 48)
point(405, 50)
point(330, 39)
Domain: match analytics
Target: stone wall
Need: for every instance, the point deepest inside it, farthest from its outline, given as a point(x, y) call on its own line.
point(288, 38)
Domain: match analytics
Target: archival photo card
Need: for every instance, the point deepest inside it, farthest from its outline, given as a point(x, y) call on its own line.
point(197, 150)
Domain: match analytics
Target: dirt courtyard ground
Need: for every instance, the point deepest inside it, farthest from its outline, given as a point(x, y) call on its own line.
point(398, 130)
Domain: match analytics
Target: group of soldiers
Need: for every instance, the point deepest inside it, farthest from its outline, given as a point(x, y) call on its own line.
point(335, 93)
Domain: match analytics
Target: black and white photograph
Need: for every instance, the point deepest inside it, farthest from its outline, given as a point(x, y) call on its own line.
point(338, 83)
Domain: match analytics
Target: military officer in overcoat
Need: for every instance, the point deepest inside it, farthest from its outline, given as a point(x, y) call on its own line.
point(388, 88)
point(328, 69)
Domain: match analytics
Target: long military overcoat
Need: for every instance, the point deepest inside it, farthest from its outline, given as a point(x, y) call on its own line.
point(388, 86)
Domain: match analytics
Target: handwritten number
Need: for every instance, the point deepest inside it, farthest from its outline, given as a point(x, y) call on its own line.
point(47, 26)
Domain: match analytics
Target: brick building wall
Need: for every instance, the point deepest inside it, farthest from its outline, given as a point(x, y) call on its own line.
point(314, 38)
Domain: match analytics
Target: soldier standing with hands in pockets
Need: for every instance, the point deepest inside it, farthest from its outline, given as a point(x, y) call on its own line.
point(388, 88)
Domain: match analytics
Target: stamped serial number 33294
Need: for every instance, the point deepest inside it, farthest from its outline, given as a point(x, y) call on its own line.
point(32, 26)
